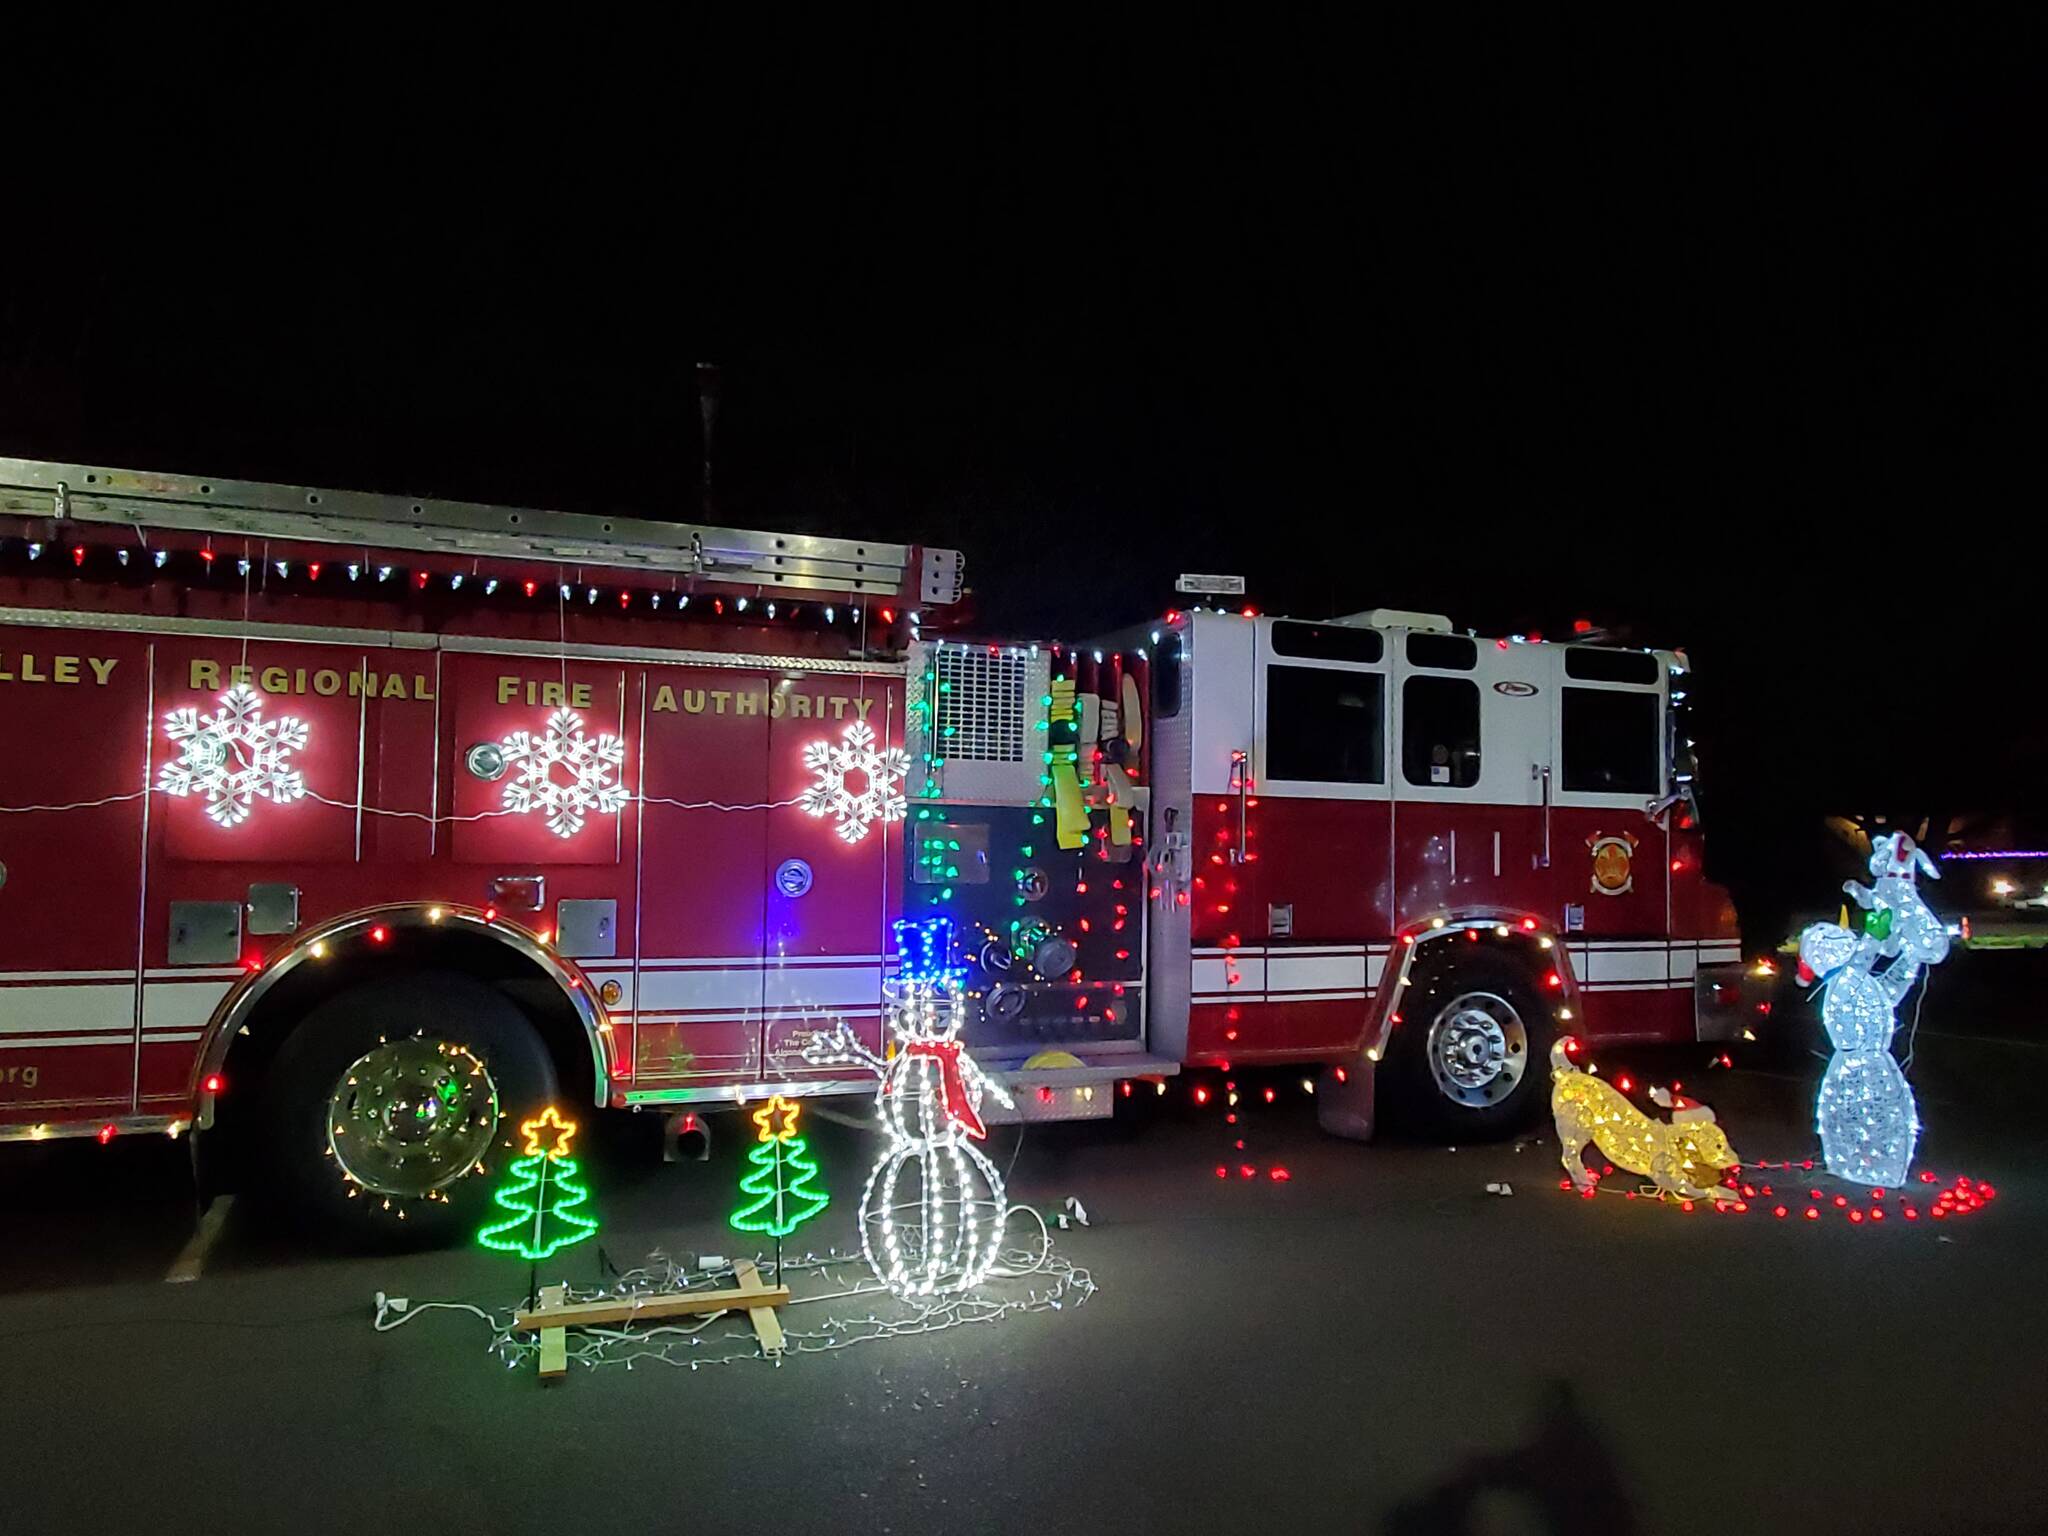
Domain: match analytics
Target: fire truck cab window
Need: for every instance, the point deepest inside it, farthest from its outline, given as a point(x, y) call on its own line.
point(1592, 664)
point(1440, 731)
point(1610, 742)
point(1324, 726)
point(1166, 673)
point(1452, 653)
point(1325, 642)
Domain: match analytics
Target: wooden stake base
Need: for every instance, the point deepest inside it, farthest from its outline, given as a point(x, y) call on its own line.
point(554, 1342)
point(553, 1316)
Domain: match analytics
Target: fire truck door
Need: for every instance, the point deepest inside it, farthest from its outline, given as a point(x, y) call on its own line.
point(702, 831)
point(80, 723)
point(1471, 724)
point(831, 867)
point(1305, 856)
point(1610, 860)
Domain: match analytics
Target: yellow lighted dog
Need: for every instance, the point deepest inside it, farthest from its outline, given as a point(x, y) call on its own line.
point(1682, 1158)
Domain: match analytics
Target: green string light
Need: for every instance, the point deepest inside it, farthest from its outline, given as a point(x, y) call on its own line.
point(781, 1183)
point(533, 1204)
point(542, 1189)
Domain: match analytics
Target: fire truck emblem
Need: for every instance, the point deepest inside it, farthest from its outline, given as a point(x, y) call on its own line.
point(1613, 863)
point(233, 757)
point(881, 771)
point(589, 763)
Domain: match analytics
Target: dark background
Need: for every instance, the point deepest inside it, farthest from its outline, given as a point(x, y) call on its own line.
point(1726, 333)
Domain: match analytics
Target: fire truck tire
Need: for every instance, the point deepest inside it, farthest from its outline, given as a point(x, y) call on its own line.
point(391, 1107)
point(1470, 1063)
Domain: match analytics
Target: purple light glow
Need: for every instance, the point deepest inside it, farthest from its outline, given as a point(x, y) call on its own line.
point(1997, 853)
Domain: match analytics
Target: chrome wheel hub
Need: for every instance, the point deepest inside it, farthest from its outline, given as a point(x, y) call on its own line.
point(410, 1117)
point(1478, 1049)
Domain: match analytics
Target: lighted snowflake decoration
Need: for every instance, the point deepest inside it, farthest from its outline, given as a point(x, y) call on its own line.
point(233, 757)
point(880, 770)
point(589, 763)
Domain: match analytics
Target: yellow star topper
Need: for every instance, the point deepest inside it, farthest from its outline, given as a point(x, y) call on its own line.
point(549, 1119)
point(767, 1112)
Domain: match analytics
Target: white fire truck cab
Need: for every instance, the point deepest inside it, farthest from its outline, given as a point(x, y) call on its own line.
point(1415, 856)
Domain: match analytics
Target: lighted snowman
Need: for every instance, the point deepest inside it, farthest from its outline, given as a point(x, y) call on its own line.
point(931, 1217)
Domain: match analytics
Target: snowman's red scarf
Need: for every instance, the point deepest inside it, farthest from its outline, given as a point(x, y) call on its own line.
point(953, 1097)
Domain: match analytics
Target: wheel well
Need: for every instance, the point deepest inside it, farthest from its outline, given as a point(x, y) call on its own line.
point(1444, 957)
point(272, 1018)
point(1517, 962)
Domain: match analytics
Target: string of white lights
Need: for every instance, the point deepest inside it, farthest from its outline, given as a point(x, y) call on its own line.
point(75, 805)
point(1070, 1284)
point(378, 810)
point(720, 805)
point(390, 1317)
point(694, 1344)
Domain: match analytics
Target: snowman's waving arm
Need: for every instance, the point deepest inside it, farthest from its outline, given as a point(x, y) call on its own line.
point(979, 1082)
point(823, 1050)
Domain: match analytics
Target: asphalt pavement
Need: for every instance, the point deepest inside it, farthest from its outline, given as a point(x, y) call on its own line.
point(1373, 1342)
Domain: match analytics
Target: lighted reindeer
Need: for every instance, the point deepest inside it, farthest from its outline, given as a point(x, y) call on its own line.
point(1867, 1118)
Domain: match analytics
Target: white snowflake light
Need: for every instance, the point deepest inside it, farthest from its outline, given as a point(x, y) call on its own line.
point(589, 763)
point(233, 757)
point(880, 770)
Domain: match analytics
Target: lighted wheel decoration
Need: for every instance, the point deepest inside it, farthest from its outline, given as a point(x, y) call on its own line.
point(410, 1117)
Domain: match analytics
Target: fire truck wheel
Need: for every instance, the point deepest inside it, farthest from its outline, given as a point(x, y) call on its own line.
point(1470, 1063)
point(392, 1103)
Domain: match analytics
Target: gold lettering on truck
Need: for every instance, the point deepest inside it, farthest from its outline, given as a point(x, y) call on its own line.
point(545, 695)
point(204, 676)
point(28, 667)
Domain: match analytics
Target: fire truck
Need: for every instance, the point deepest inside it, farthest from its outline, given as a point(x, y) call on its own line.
point(342, 829)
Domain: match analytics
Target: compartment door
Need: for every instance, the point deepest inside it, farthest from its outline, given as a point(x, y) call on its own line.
point(1610, 861)
point(544, 764)
point(696, 995)
point(80, 725)
point(833, 861)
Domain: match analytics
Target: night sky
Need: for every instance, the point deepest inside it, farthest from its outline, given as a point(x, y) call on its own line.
point(1734, 339)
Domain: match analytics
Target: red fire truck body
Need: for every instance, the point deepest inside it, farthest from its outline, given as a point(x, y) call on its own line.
point(147, 928)
point(366, 819)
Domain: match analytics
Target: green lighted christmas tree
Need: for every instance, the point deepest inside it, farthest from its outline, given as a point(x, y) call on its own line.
point(784, 1196)
point(542, 1194)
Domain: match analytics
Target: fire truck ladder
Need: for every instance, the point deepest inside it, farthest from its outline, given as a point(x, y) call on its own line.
point(84, 493)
